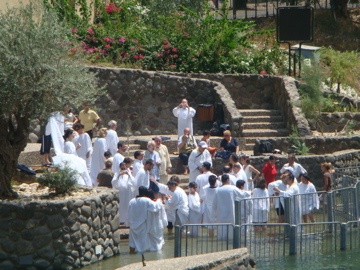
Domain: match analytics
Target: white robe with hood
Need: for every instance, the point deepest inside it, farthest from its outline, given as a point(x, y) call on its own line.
point(86, 147)
point(97, 159)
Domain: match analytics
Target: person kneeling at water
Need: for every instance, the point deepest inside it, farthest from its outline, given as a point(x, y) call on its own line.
point(137, 220)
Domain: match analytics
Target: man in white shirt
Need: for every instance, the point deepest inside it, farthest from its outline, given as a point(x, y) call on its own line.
point(298, 169)
point(118, 157)
point(138, 162)
point(197, 157)
point(203, 179)
point(112, 138)
point(226, 170)
point(240, 174)
point(144, 177)
point(185, 114)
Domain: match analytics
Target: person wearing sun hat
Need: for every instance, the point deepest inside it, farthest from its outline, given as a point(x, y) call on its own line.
point(197, 157)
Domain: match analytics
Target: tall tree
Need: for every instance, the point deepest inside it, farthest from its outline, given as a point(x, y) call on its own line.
point(38, 75)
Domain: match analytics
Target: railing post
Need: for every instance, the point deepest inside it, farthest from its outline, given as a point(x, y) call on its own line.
point(357, 198)
point(236, 239)
point(330, 208)
point(287, 214)
point(292, 238)
point(343, 227)
point(237, 212)
point(177, 243)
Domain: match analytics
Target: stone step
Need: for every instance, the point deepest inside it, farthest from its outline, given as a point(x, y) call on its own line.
point(260, 112)
point(266, 125)
point(249, 147)
point(132, 146)
point(265, 133)
point(261, 119)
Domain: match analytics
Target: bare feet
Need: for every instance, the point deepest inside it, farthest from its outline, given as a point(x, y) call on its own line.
point(132, 250)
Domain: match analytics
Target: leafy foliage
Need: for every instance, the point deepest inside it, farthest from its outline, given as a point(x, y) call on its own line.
point(185, 36)
point(299, 147)
point(61, 180)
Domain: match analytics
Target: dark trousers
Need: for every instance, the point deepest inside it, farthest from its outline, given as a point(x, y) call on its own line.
point(90, 132)
point(184, 158)
point(154, 187)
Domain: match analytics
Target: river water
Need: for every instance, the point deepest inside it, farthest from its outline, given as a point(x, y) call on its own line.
point(325, 261)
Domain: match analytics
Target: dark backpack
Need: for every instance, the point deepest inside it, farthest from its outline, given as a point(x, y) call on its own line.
point(266, 147)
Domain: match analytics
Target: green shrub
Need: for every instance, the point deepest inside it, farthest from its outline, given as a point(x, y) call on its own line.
point(60, 180)
point(299, 147)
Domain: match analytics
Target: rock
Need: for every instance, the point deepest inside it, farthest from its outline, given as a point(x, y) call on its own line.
point(27, 235)
point(18, 225)
point(41, 264)
point(47, 253)
point(24, 247)
point(56, 221)
point(108, 252)
point(40, 241)
point(7, 245)
point(86, 211)
point(14, 236)
point(87, 256)
point(78, 203)
point(33, 138)
point(97, 223)
point(7, 265)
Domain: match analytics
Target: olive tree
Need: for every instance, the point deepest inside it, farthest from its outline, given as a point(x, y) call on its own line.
point(38, 75)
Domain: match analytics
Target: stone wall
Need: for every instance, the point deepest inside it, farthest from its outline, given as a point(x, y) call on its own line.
point(230, 259)
point(142, 101)
point(335, 122)
point(263, 92)
point(317, 145)
point(60, 234)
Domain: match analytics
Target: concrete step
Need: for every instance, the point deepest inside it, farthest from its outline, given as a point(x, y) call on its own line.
point(260, 112)
point(134, 146)
point(249, 147)
point(261, 119)
point(264, 125)
point(265, 133)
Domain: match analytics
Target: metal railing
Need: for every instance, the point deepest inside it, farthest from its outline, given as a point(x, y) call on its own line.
point(335, 226)
point(194, 239)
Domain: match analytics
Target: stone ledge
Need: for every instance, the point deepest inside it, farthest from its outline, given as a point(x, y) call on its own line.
point(239, 258)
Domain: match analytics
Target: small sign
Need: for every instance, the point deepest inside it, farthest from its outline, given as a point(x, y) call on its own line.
point(98, 250)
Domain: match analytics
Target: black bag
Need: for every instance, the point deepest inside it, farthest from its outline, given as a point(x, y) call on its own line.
point(223, 154)
point(266, 147)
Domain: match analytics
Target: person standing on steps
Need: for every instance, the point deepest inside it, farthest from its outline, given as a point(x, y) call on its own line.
point(88, 117)
point(165, 166)
point(186, 144)
point(185, 114)
point(112, 137)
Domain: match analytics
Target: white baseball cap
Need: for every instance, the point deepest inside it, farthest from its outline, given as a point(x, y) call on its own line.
point(203, 145)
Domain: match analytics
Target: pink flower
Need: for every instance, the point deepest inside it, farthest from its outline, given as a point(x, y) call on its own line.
point(166, 47)
point(122, 39)
point(159, 54)
point(107, 39)
point(90, 30)
point(166, 64)
point(186, 35)
point(175, 55)
point(198, 52)
point(107, 46)
point(194, 58)
point(174, 49)
point(263, 72)
point(172, 66)
point(123, 54)
point(141, 57)
point(111, 8)
point(72, 49)
point(132, 49)
point(135, 41)
point(136, 57)
point(97, 56)
point(74, 30)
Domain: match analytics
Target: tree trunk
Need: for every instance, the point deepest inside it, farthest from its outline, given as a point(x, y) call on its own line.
point(13, 139)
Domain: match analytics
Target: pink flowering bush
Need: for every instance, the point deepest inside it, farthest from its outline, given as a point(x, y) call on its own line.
point(158, 37)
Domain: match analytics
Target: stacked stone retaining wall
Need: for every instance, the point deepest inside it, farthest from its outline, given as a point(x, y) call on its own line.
point(59, 234)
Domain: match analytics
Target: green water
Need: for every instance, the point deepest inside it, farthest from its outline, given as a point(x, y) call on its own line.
point(326, 260)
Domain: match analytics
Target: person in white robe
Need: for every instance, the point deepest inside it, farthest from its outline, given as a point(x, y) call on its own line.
point(208, 196)
point(309, 198)
point(112, 138)
point(76, 163)
point(261, 206)
point(278, 205)
point(197, 157)
point(184, 114)
point(150, 153)
point(143, 176)
point(84, 143)
point(195, 209)
point(297, 168)
point(223, 208)
point(69, 146)
point(97, 157)
point(137, 220)
point(123, 183)
point(202, 180)
point(165, 166)
point(156, 221)
point(226, 170)
point(240, 174)
point(138, 162)
point(292, 190)
point(176, 202)
point(118, 157)
point(246, 206)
